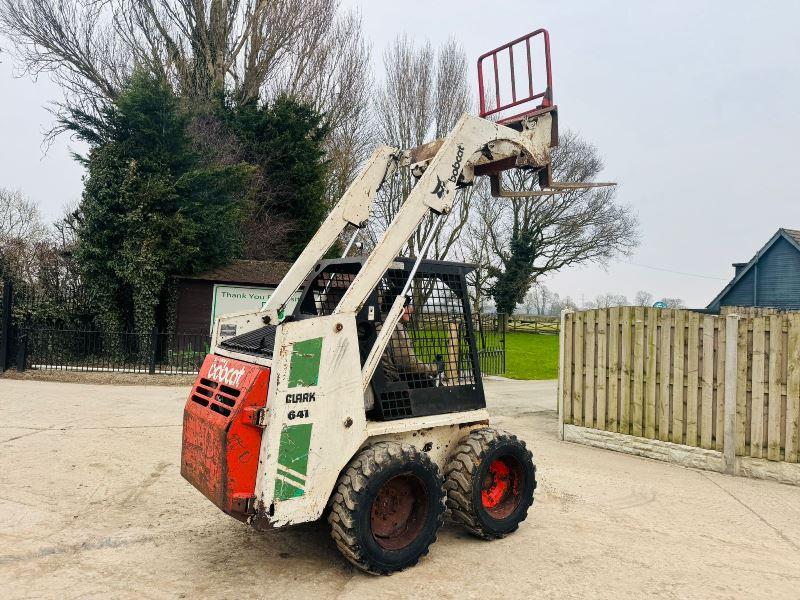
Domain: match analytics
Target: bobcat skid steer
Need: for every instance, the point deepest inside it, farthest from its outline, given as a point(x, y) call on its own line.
point(365, 401)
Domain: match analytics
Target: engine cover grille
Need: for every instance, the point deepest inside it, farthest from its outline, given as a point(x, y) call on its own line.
point(258, 342)
point(221, 440)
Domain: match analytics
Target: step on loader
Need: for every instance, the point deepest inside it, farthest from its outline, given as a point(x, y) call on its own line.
point(364, 402)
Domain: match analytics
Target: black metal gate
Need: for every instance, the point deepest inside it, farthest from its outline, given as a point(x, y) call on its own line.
point(490, 333)
point(32, 338)
point(9, 331)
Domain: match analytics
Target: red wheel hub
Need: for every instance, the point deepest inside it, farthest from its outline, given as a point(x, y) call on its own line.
point(502, 487)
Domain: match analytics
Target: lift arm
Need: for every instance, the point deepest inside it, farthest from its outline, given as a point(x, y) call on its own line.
point(473, 141)
point(352, 209)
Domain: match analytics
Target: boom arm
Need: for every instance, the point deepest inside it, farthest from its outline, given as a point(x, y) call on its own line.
point(472, 141)
point(353, 209)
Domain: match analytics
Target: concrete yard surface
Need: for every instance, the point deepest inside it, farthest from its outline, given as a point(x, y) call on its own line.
point(92, 505)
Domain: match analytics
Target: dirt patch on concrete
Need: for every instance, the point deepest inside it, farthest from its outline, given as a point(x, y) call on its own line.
point(102, 378)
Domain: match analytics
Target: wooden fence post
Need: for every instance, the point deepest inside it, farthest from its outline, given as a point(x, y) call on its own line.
point(560, 394)
point(729, 438)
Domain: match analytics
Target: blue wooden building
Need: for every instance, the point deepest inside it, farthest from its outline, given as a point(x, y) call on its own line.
point(770, 279)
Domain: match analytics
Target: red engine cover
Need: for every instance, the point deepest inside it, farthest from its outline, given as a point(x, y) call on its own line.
point(221, 440)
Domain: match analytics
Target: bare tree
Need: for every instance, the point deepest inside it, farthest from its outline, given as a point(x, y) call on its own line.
point(538, 299)
point(21, 229)
point(529, 303)
point(530, 237)
point(202, 46)
point(334, 76)
point(19, 217)
point(646, 299)
point(253, 49)
point(608, 301)
point(474, 247)
point(423, 96)
point(56, 272)
point(560, 304)
point(673, 302)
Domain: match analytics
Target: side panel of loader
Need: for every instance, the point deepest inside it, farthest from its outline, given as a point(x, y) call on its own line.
point(315, 419)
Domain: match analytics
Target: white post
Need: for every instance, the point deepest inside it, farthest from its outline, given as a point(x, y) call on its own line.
point(560, 396)
point(731, 357)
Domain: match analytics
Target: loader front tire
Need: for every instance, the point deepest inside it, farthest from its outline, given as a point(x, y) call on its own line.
point(489, 481)
point(387, 507)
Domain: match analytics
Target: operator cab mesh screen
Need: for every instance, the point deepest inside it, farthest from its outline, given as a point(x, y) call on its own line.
point(430, 346)
point(325, 292)
point(430, 363)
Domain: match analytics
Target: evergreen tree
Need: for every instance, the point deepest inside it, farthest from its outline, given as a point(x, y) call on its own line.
point(510, 285)
point(151, 208)
point(284, 141)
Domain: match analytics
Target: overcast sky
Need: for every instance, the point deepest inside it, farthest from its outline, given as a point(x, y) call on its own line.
point(695, 107)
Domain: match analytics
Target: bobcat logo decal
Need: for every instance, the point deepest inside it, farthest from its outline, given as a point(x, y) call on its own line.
point(441, 186)
point(439, 190)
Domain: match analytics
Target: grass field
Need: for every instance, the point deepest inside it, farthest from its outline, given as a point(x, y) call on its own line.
point(531, 356)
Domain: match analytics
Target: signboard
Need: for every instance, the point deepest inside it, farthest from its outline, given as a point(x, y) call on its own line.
point(239, 298)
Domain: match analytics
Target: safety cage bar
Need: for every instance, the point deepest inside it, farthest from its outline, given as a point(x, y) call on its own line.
point(501, 93)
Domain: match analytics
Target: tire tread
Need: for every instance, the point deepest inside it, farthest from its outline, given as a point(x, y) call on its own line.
point(467, 457)
point(349, 497)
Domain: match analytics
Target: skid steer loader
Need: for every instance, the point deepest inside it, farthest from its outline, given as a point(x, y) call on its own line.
point(365, 401)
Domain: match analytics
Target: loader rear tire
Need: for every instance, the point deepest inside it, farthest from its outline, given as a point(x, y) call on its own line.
point(387, 508)
point(489, 481)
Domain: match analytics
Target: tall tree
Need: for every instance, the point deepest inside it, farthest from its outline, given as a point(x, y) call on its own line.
point(254, 50)
point(424, 95)
point(21, 229)
point(150, 207)
point(284, 141)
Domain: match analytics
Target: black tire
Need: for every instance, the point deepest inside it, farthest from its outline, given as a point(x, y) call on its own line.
point(387, 508)
point(475, 467)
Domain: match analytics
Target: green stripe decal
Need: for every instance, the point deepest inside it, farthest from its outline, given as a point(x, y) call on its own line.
point(293, 455)
point(285, 490)
point(304, 368)
point(287, 475)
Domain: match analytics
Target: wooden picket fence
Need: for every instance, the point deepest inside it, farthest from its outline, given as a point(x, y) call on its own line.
point(749, 311)
point(768, 384)
point(533, 324)
point(661, 374)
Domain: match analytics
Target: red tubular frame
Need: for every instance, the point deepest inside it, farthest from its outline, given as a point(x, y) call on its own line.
point(546, 95)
